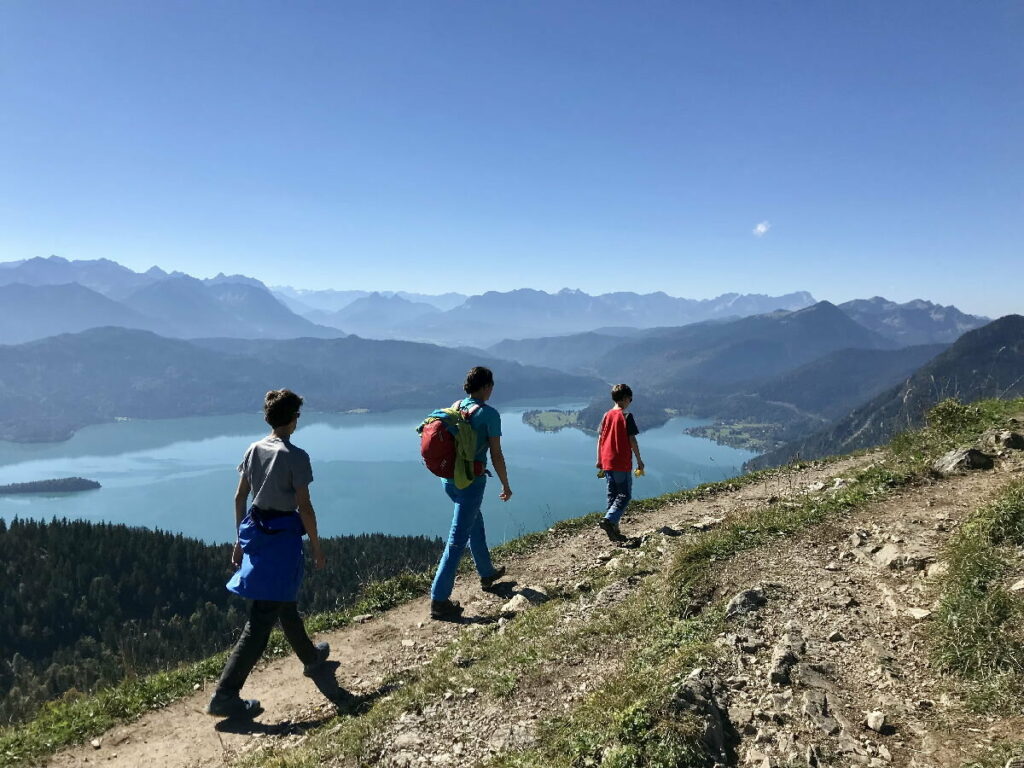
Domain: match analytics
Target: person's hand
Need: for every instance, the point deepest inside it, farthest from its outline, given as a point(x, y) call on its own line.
point(597, 463)
point(640, 465)
point(318, 560)
point(506, 493)
point(236, 556)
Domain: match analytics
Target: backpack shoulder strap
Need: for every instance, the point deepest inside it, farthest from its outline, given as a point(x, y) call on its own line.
point(467, 413)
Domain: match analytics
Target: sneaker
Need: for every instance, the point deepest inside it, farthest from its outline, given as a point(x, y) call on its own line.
point(612, 529)
point(489, 581)
point(232, 706)
point(323, 650)
point(445, 610)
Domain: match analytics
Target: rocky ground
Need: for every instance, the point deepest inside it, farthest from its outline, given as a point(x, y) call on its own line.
point(823, 663)
point(827, 662)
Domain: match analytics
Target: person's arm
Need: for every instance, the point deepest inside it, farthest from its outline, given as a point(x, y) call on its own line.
point(308, 516)
point(600, 434)
point(241, 496)
point(498, 459)
point(636, 452)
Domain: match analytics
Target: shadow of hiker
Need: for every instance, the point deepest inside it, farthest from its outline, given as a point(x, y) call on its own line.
point(345, 703)
point(478, 620)
point(326, 681)
point(503, 589)
point(248, 726)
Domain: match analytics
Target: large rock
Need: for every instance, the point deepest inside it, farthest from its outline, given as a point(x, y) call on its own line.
point(786, 654)
point(1001, 439)
point(747, 601)
point(516, 605)
point(903, 557)
point(816, 709)
point(698, 695)
point(962, 459)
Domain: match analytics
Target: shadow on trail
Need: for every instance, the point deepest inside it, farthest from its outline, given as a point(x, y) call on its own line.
point(242, 725)
point(345, 703)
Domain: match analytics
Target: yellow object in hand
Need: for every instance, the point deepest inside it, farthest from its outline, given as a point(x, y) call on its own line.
point(600, 473)
point(638, 472)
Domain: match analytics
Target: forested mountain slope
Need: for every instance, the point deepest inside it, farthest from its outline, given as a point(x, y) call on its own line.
point(986, 362)
point(87, 604)
point(51, 387)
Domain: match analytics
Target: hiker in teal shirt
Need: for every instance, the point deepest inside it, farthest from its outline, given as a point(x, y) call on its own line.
point(467, 520)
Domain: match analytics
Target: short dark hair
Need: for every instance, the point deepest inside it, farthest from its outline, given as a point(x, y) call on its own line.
point(620, 392)
point(478, 378)
point(280, 406)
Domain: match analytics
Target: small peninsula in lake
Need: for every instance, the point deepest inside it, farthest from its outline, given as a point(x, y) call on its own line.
point(59, 485)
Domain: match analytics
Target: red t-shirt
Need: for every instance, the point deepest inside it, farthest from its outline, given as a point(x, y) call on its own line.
point(613, 441)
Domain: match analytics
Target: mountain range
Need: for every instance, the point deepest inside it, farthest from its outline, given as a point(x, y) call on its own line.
point(95, 340)
point(44, 297)
point(524, 313)
point(177, 305)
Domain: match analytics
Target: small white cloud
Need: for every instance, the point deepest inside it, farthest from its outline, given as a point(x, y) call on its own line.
point(762, 228)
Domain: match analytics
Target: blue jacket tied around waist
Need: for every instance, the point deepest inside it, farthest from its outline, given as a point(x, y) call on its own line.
point(272, 558)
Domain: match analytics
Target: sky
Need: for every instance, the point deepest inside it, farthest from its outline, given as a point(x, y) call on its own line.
point(697, 148)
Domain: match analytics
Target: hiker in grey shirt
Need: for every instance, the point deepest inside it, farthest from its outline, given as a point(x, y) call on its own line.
point(268, 552)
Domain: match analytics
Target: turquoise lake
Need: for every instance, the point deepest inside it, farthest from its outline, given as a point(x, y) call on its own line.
point(179, 475)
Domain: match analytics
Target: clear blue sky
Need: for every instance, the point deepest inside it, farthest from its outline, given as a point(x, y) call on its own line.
point(495, 144)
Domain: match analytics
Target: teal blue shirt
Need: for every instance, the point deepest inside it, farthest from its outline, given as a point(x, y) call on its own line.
point(486, 423)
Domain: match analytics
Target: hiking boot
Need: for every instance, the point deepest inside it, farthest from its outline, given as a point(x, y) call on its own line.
point(323, 650)
point(445, 610)
point(224, 705)
point(612, 529)
point(488, 581)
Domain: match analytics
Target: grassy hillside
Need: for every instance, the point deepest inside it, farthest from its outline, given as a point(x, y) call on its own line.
point(607, 663)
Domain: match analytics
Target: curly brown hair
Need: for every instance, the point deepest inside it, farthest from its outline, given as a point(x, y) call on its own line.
point(280, 406)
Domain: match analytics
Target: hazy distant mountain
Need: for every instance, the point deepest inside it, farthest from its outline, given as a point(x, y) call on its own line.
point(191, 308)
point(576, 353)
point(986, 362)
point(915, 322)
point(443, 301)
point(305, 301)
point(708, 355)
point(35, 311)
point(375, 316)
point(704, 355)
point(222, 279)
point(526, 313)
point(101, 275)
point(51, 387)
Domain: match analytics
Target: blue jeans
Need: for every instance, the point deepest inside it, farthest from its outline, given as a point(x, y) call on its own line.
point(467, 526)
point(620, 491)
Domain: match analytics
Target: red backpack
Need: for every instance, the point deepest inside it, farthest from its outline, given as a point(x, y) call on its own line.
point(438, 434)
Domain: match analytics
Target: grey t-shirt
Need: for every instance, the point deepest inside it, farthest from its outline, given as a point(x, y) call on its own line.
point(274, 469)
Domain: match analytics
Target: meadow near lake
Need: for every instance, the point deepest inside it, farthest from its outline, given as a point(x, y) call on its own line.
point(179, 474)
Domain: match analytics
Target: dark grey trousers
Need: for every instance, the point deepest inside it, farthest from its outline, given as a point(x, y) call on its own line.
point(263, 615)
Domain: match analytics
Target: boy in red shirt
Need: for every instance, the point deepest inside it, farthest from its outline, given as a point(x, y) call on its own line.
point(616, 446)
